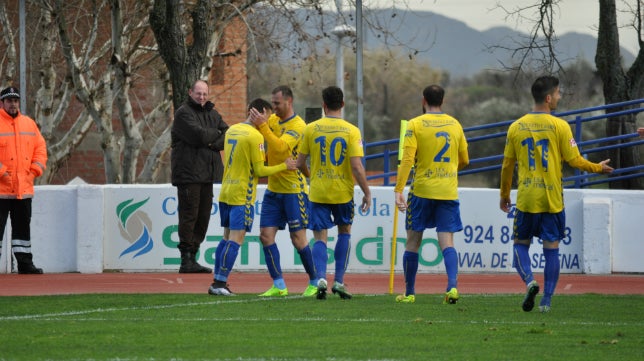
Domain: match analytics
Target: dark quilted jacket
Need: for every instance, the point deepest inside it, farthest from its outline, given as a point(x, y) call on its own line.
point(197, 137)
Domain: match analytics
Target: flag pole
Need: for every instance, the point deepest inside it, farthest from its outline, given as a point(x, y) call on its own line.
point(392, 266)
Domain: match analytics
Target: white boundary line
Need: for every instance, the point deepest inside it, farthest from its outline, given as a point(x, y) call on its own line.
point(63, 316)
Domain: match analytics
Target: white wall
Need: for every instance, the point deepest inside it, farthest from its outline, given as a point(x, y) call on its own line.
point(91, 228)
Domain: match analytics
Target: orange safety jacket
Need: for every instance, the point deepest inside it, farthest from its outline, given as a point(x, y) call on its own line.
point(23, 155)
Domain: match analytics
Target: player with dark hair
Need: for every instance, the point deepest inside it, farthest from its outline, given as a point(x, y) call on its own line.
point(336, 151)
point(540, 142)
point(436, 148)
point(286, 198)
point(243, 165)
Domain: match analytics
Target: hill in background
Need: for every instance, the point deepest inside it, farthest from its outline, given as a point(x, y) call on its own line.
point(460, 50)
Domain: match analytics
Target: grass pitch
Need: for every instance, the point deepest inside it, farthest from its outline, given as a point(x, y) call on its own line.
point(368, 327)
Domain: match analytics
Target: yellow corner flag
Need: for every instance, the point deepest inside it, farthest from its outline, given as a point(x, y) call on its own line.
point(401, 147)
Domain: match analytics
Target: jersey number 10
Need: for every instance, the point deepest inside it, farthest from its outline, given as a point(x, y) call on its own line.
point(331, 152)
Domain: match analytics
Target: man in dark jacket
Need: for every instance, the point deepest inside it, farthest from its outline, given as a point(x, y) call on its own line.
point(197, 138)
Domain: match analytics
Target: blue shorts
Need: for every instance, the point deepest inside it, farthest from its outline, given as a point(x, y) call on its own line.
point(546, 226)
point(321, 215)
point(236, 218)
point(278, 209)
point(423, 213)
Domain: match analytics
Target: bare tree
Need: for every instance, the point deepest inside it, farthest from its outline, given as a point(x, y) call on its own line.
point(10, 54)
point(100, 63)
point(619, 84)
point(128, 55)
point(53, 99)
point(51, 103)
point(85, 68)
point(186, 46)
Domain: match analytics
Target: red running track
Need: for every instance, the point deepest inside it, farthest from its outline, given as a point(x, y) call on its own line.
point(76, 283)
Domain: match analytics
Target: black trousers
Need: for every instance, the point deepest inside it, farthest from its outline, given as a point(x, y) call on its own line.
point(195, 204)
point(19, 210)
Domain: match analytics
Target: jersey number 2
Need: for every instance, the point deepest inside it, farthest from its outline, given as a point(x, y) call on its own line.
point(440, 155)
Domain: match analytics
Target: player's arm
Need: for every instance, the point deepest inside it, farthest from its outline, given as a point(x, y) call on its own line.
point(581, 163)
point(463, 159)
point(570, 153)
point(264, 171)
point(463, 154)
point(260, 119)
point(278, 144)
point(507, 171)
point(301, 164)
point(306, 172)
point(361, 177)
point(406, 163)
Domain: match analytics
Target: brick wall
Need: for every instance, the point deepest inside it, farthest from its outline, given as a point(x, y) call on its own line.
point(228, 79)
point(228, 87)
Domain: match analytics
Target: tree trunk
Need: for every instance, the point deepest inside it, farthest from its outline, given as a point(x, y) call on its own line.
point(165, 20)
point(122, 81)
point(188, 61)
point(102, 116)
point(59, 152)
point(98, 99)
point(9, 73)
point(45, 95)
point(52, 99)
point(152, 164)
point(618, 86)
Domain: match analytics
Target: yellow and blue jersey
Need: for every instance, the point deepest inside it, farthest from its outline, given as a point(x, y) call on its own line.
point(288, 133)
point(330, 144)
point(433, 142)
point(243, 148)
point(540, 142)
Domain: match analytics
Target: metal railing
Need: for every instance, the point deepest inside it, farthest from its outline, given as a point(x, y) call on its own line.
point(389, 153)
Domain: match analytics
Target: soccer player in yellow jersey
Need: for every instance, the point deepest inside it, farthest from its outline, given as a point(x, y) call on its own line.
point(540, 142)
point(286, 199)
point(336, 151)
point(243, 165)
point(435, 146)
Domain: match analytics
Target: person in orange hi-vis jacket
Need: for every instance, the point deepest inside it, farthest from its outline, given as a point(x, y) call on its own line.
point(23, 157)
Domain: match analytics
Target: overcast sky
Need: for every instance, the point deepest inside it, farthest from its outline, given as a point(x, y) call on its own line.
point(579, 16)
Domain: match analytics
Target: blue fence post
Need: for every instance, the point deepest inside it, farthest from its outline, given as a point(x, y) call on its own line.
point(578, 139)
point(385, 165)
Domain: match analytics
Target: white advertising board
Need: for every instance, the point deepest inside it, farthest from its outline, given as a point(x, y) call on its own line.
point(140, 234)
